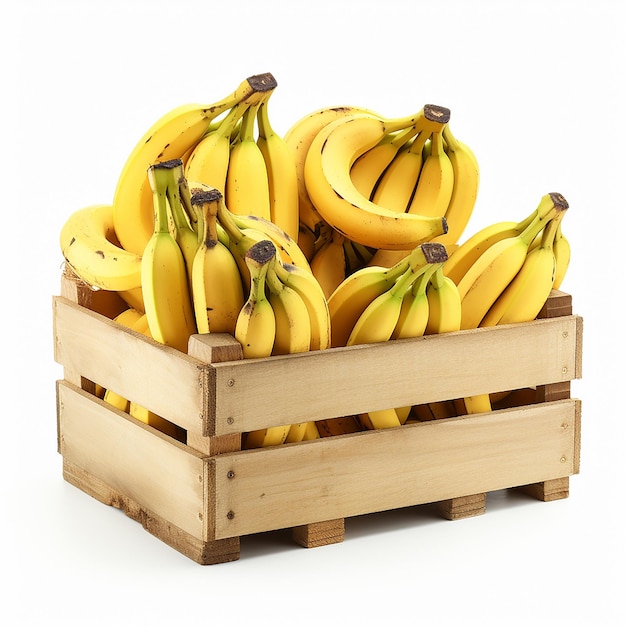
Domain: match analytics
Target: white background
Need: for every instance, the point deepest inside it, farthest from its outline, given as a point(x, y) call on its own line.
point(535, 88)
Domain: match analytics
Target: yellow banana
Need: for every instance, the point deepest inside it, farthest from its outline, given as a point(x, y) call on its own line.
point(487, 278)
point(306, 285)
point(256, 330)
point(327, 174)
point(247, 183)
point(281, 172)
point(526, 294)
point(433, 190)
point(370, 166)
point(298, 139)
point(562, 255)
point(217, 290)
point(170, 137)
point(91, 250)
point(472, 248)
point(328, 264)
point(466, 176)
point(444, 304)
point(208, 163)
point(164, 280)
point(414, 313)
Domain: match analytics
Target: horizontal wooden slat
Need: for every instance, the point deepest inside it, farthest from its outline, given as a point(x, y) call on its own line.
point(133, 460)
point(163, 379)
point(257, 393)
point(349, 475)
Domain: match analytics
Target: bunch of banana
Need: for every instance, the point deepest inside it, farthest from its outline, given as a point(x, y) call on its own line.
point(377, 304)
point(172, 136)
point(250, 164)
point(285, 313)
point(329, 183)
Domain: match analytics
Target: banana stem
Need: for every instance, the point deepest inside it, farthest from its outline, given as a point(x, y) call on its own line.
point(207, 203)
point(161, 176)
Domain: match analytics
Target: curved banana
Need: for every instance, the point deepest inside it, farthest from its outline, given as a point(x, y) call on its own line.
point(327, 175)
point(328, 264)
point(487, 278)
point(217, 290)
point(562, 254)
point(90, 248)
point(524, 297)
point(414, 312)
point(298, 139)
point(247, 184)
point(444, 304)
point(281, 173)
point(433, 190)
point(164, 281)
point(170, 137)
point(371, 165)
point(466, 176)
point(208, 162)
point(309, 289)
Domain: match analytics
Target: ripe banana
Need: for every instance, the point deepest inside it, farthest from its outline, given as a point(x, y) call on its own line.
point(281, 172)
point(327, 175)
point(208, 162)
point(414, 313)
point(472, 248)
point(247, 184)
point(526, 294)
point(444, 304)
point(164, 281)
point(466, 176)
point(217, 290)
point(328, 264)
point(90, 248)
point(306, 285)
point(562, 255)
point(371, 165)
point(298, 139)
point(487, 278)
point(170, 137)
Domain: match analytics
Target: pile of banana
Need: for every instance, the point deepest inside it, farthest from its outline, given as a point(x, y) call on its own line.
point(345, 231)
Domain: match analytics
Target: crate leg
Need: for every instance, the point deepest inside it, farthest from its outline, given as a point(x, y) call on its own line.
point(319, 533)
point(548, 490)
point(464, 506)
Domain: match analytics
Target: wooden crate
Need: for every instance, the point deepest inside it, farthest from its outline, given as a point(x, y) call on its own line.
point(200, 492)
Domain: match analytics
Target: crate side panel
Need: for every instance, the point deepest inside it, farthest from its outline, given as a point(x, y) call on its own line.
point(166, 381)
point(257, 393)
point(139, 463)
point(356, 474)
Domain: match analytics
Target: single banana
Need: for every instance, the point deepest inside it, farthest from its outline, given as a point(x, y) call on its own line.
point(487, 278)
point(306, 285)
point(170, 137)
point(164, 280)
point(327, 174)
point(217, 290)
point(247, 184)
point(435, 184)
point(91, 250)
point(466, 176)
point(328, 264)
point(524, 297)
point(371, 165)
point(256, 330)
point(208, 162)
point(562, 254)
point(444, 304)
point(298, 139)
point(414, 313)
point(281, 172)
